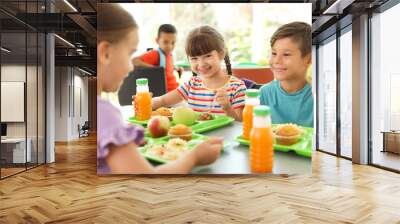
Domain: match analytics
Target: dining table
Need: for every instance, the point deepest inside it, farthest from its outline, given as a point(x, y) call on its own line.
point(234, 158)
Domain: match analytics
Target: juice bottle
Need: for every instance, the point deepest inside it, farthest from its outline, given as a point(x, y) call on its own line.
point(142, 102)
point(261, 141)
point(252, 100)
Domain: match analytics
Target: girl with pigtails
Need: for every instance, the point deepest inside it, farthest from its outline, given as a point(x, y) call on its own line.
point(212, 89)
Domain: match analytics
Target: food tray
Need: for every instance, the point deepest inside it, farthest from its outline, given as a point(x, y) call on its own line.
point(196, 139)
point(303, 147)
point(198, 126)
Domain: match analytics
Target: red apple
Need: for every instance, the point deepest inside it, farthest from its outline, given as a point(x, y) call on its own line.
point(158, 126)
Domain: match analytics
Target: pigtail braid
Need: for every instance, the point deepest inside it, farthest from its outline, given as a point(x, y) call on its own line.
point(228, 64)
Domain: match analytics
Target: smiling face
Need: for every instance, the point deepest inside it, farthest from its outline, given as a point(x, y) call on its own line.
point(286, 60)
point(207, 65)
point(206, 49)
point(115, 60)
point(166, 41)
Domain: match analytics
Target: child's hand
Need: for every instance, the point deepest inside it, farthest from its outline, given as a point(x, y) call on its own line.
point(222, 98)
point(208, 151)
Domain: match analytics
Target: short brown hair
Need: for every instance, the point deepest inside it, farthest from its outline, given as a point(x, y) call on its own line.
point(113, 22)
point(166, 28)
point(203, 40)
point(299, 32)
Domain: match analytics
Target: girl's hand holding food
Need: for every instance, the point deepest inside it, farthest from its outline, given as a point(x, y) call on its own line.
point(208, 151)
point(222, 98)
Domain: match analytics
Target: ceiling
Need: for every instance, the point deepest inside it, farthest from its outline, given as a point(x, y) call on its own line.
point(75, 21)
point(72, 20)
point(333, 14)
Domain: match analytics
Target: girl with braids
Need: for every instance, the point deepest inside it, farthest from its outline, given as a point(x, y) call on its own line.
point(117, 141)
point(211, 89)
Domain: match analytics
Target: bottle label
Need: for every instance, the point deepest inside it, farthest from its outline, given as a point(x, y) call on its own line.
point(261, 122)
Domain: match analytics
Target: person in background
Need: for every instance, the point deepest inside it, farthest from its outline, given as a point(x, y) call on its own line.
point(212, 89)
point(117, 141)
point(166, 38)
point(290, 95)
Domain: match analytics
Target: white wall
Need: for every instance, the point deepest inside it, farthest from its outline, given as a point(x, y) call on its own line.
point(13, 73)
point(12, 101)
point(33, 127)
point(70, 84)
point(81, 84)
point(61, 103)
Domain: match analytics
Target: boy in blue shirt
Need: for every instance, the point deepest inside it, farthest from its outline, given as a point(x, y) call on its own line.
point(289, 96)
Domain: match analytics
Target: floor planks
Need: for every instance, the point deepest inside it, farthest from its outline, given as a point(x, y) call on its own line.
point(69, 191)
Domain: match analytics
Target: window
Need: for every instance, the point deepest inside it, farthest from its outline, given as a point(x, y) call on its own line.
point(247, 36)
point(314, 90)
point(327, 95)
point(346, 92)
point(385, 86)
point(22, 63)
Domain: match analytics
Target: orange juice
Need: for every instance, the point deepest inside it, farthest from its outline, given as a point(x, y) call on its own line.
point(143, 107)
point(261, 141)
point(247, 116)
point(247, 120)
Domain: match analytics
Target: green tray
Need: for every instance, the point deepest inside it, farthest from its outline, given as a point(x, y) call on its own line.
point(217, 122)
point(302, 148)
point(199, 126)
point(134, 121)
point(196, 139)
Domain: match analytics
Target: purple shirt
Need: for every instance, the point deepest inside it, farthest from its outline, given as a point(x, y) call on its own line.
point(112, 129)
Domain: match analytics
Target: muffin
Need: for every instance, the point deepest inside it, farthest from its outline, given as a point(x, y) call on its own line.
point(163, 111)
point(180, 131)
point(287, 134)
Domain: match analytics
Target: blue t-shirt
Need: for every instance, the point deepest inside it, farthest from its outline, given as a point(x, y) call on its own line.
point(286, 107)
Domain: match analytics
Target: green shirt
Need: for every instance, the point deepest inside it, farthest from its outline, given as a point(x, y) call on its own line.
point(297, 108)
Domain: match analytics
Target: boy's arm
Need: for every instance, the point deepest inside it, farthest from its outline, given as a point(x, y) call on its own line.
point(148, 59)
point(138, 62)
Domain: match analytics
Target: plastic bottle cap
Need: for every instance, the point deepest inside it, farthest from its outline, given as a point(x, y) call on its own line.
point(262, 111)
point(142, 81)
point(252, 93)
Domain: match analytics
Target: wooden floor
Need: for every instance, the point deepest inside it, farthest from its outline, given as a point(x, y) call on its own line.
point(387, 159)
point(10, 171)
point(69, 191)
point(5, 172)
